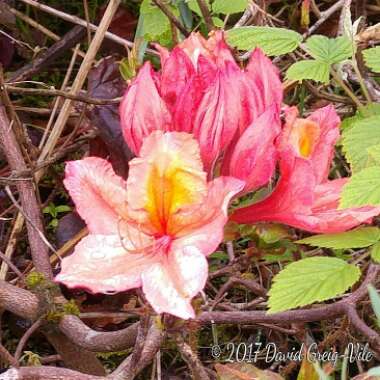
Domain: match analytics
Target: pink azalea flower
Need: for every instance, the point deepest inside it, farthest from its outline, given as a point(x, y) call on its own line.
point(304, 197)
point(232, 112)
point(154, 230)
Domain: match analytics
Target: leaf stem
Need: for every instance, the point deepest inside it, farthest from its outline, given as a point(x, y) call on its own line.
point(345, 88)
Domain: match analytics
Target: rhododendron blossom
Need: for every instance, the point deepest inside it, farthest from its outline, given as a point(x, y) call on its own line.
point(304, 197)
point(154, 230)
point(232, 112)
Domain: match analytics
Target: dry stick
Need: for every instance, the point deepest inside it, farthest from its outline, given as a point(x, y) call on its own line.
point(173, 19)
point(206, 14)
point(55, 51)
point(324, 16)
point(80, 78)
point(5, 259)
point(21, 344)
point(39, 27)
point(87, 17)
point(5, 354)
point(57, 101)
point(195, 365)
point(64, 94)
point(29, 203)
point(79, 21)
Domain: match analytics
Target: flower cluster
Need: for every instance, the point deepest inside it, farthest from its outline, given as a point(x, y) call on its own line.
point(204, 130)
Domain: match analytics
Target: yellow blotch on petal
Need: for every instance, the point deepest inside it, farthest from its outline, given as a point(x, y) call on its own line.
point(304, 136)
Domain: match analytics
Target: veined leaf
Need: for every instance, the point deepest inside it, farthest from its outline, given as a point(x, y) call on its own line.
point(363, 189)
point(329, 50)
point(372, 58)
point(228, 6)
point(375, 252)
point(312, 69)
point(273, 41)
point(356, 140)
point(358, 238)
point(363, 112)
point(310, 280)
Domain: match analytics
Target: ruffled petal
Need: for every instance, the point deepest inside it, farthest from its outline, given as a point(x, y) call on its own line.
point(99, 194)
point(142, 109)
point(170, 285)
point(166, 178)
point(254, 156)
point(202, 227)
point(101, 264)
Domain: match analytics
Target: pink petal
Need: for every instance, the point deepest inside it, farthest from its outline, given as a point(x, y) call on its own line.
point(98, 193)
point(102, 265)
point(292, 196)
point(142, 110)
point(218, 116)
point(329, 122)
point(167, 177)
point(194, 46)
point(177, 71)
point(220, 50)
point(254, 156)
point(170, 285)
point(203, 227)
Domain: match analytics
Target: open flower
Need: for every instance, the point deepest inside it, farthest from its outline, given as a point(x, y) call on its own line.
point(232, 112)
point(154, 230)
point(304, 197)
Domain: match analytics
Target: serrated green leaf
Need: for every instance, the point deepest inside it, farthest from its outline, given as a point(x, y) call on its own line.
point(363, 112)
point(312, 69)
point(310, 280)
point(155, 26)
point(273, 41)
point(358, 238)
point(375, 252)
point(228, 6)
point(363, 189)
point(372, 58)
point(357, 140)
point(375, 301)
point(329, 50)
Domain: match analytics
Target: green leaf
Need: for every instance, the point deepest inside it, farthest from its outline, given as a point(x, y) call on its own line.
point(156, 26)
point(375, 301)
point(310, 280)
point(363, 189)
point(375, 252)
point(358, 238)
point(356, 141)
point(228, 6)
point(273, 41)
point(329, 50)
point(372, 58)
point(312, 69)
point(193, 5)
point(62, 208)
point(363, 112)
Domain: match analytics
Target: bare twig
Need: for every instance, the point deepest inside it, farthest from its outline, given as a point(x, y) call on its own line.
point(21, 344)
point(64, 94)
point(206, 14)
point(7, 260)
point(7, 357)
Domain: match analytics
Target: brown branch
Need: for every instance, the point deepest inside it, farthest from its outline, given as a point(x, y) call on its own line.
point(64, 94)
point(28, 198)
point(21, 344)
point(206, 14)
point(12, 266)
point(68, 41)
point(7, 357)
point(46, 373)
point(195, 365)
point(171, 16)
